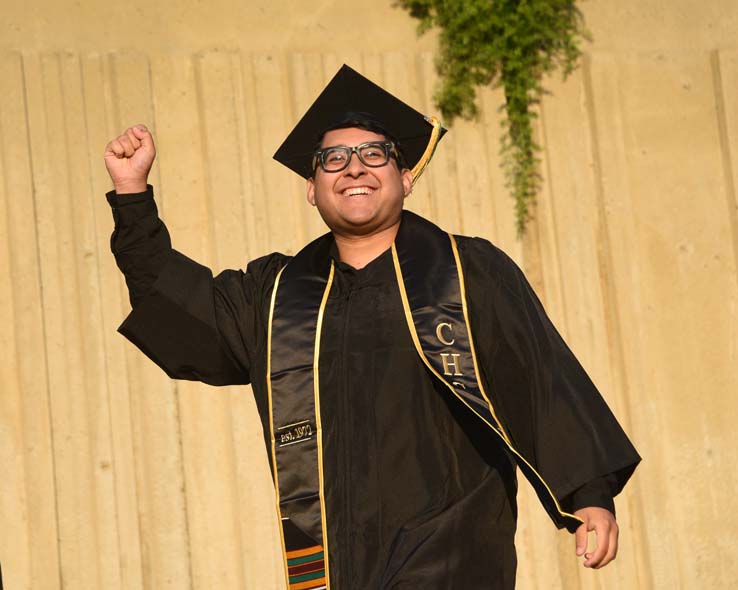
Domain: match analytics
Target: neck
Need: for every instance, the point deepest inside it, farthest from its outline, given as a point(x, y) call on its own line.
point(358, 251)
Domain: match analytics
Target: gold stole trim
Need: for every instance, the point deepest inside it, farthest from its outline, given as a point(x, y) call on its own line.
point(319, 431)
point(319, 423)
point(442, 246)
point(275, 473)
point(497, 426)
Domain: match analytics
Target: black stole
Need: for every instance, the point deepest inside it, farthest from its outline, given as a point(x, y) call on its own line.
point(431, 283)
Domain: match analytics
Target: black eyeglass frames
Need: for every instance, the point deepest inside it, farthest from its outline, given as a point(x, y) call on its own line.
point(372, 154)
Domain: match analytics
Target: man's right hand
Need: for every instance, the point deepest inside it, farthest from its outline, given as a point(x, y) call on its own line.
point(128, 159)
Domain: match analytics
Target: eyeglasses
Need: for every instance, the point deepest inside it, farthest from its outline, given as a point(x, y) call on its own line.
point(372, 154)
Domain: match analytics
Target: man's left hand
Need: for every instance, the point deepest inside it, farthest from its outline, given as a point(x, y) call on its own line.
point(602, 522)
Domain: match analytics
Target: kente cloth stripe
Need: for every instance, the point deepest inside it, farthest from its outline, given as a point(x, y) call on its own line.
point(308, 582)
point(304, 551)
point(312, 576)
point(306, 558)
point(306, 568)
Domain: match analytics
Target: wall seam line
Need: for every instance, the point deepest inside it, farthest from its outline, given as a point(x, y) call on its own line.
point(49, 418)
point(101, 318)
point(725, 152)
point(236, 90)
point(12, 299)
point(108, 64)
point(175, 385)
point(609, 291)
point(554, 234)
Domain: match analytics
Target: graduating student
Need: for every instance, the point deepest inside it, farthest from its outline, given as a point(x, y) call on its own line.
point(402, 374)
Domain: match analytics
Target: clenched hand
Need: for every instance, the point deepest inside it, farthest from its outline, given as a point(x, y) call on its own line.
point(128, 159)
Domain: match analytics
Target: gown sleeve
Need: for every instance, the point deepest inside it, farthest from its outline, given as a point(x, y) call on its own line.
point(193, 325)
point(552, 411)
point(598, 492)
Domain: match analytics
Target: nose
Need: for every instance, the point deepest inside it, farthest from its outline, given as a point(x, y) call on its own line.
point(355, 167)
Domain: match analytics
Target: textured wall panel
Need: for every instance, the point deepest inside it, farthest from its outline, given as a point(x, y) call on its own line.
point(28, 500)
point(121, 478)
point(664, 191)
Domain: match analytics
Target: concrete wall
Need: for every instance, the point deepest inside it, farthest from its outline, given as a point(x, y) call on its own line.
point(116, 477)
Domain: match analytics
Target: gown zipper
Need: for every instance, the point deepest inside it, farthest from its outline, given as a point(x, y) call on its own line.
point(346, 500)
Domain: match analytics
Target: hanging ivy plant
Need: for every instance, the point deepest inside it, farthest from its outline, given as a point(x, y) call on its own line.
point(503, 43)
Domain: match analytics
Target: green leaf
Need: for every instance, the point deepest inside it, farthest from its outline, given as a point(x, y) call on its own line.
point(503, 43)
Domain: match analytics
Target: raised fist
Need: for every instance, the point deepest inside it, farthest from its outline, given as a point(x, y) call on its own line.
point(128, 159)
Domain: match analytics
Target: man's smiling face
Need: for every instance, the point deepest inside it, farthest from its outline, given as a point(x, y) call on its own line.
point(359, 200)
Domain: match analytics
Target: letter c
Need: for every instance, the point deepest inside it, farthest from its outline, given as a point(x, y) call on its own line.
point(439, 333)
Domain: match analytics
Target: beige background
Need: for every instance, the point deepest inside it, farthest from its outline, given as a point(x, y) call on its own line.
point(115, 477)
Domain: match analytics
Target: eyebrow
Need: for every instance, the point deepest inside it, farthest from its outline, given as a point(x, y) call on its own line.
point(378, 141)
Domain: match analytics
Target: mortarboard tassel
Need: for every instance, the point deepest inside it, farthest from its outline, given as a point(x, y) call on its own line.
point(430, 148)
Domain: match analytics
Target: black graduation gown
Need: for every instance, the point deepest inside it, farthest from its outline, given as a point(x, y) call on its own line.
point(419, 492)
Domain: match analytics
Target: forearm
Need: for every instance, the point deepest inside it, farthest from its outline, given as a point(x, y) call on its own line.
point(176, 309)
point(140, 241)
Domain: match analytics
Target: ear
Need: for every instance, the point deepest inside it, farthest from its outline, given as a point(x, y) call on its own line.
point(407, 181)
point(311, 191)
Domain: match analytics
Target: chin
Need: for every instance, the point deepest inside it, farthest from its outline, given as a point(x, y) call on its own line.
point(359, 221)
point(355, 228)
point(366, 226)
point(353, 219)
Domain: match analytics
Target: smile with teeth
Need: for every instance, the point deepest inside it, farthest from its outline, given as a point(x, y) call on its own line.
point(357, 190)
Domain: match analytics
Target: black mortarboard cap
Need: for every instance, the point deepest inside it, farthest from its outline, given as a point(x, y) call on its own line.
point(350, 92)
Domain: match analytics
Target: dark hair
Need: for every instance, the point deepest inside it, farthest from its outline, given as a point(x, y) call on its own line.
point(368, 123)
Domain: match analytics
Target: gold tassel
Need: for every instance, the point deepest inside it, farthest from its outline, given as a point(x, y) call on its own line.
point(429, 150)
